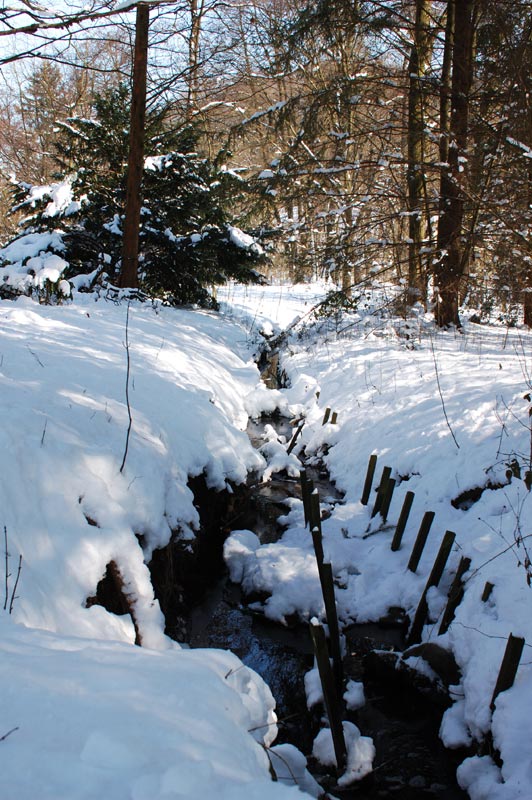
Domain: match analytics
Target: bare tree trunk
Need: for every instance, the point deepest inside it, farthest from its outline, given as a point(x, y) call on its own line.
point(454, 256)
point(130, 251)
point(197, 8)
point(417, 65)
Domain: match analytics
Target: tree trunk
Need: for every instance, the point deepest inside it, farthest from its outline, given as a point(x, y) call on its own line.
point(130, 252)
point(454, 256)
point(417, 65)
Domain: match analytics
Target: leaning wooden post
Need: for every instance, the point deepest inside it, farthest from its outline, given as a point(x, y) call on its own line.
point(314, 510)
point(307, 487)
point(403, 519)
point(295, 437)
point(456, 594)
point(332, 705)
point(385, 477)
point(369, 480)
point(486, 594)
point(420, 616)
point(509, 665)
point(387, 498)
point(329, 599)
point(421, 539)
point(326, 416)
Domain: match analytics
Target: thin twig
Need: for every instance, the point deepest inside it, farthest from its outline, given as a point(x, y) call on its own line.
point(14, 592)
point(441, 394)
point(7, 569)
point(128, 365)
point(4, 737)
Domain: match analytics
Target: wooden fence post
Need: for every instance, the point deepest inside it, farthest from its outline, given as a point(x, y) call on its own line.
point(369, 480)
point(295, 437)
point(307, 487)
point(387, 499)
point(327, 588)
point(456, 594)
point(385, 477)
point(414, 635)
point(509, 665)
point(486, 594)
point(403, 518)
point(332, 705)
point(421, 539)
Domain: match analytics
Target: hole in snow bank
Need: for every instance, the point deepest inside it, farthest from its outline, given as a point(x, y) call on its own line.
point(111, 595)
point(469, 497)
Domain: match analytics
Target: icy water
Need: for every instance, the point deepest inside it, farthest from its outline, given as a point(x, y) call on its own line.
point(411, 763)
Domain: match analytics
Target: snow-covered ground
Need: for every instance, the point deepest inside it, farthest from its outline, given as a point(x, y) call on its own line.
point(85, 712)
point(447, 412)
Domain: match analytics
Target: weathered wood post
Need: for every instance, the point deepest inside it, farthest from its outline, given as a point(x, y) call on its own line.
point(385, 477)
point(456, 594)
point(327, 588)
point(486, 594)
point(414, 635)
point(509, 665)
point(372, 464)
point(307, 487)
point(421, 540)
point(403, 519)
point(387, 499)
point(332, 705)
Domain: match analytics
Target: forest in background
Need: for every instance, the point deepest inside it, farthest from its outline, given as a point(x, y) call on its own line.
point(359, 140)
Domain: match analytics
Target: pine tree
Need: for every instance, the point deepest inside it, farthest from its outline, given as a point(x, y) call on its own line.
point(187, 241)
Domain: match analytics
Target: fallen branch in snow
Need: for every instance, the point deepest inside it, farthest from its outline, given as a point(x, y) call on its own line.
point(14, 592)
point(7, 576)
point(128, 368)
point(441, 393)
point(4, 737)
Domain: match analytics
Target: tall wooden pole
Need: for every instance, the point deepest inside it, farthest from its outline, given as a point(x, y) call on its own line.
point(130, 250)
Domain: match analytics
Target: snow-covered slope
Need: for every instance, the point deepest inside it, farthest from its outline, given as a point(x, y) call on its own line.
point(85, 713)
point(447, 412)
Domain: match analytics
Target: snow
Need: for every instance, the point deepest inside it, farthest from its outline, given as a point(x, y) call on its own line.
point(354, 695)
point(360, 753)
point(85, 711)
point(447, 412)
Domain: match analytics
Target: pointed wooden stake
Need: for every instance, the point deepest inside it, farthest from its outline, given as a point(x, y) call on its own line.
point(509, 665)
point(369, 480)
point(332, 704)
point(456, 594)
point(414, 635)
point(421, 539)
point(403, 519)
point(383, 485)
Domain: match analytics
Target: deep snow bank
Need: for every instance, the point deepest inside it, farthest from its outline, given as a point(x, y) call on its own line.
point(447, 412)
point(85, 713)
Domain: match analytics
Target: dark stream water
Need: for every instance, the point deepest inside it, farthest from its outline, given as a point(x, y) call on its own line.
point(411, 763)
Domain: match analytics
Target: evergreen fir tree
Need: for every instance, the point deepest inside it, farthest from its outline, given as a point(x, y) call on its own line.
point(187, 242)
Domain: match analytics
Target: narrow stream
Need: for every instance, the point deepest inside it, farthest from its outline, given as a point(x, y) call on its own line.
point(411, 763)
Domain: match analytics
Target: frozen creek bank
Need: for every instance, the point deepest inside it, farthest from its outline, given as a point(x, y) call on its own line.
point(448, 412)
point(85, 712)
point(402, 714)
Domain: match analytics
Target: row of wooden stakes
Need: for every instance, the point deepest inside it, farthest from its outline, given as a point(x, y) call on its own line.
point(332, 677)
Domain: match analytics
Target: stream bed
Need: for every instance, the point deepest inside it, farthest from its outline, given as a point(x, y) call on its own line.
point(411, 762)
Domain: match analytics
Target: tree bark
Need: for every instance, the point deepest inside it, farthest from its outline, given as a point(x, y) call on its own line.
point(417, 65)
point(130, 252)
point(454, 256)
